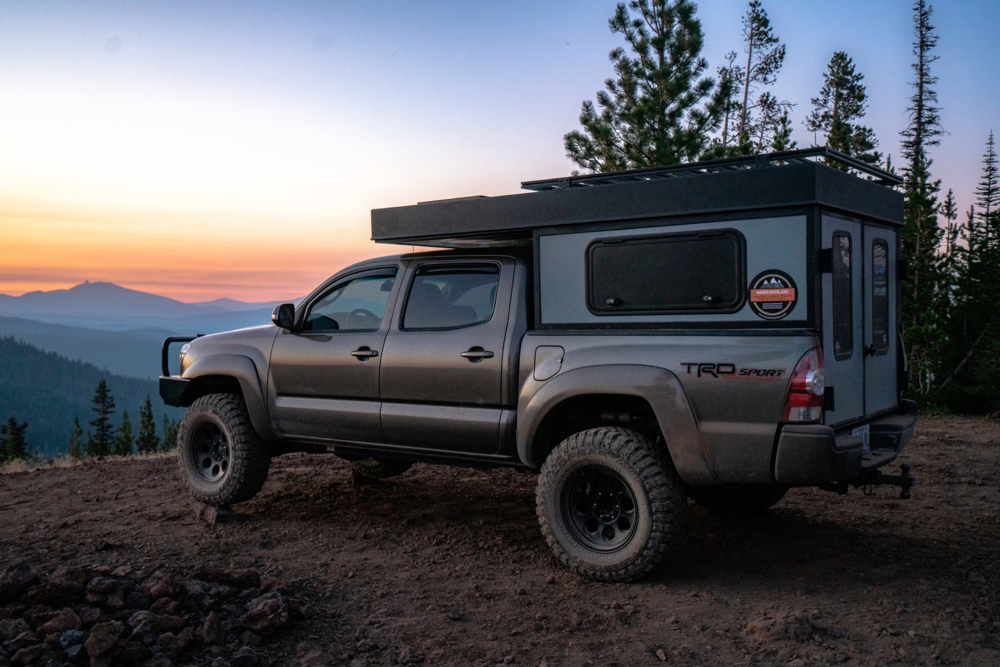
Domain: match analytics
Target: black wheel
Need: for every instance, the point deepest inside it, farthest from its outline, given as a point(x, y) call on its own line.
point(380, 468)
point(738, 500)
point(222, 459)
point(610, 504)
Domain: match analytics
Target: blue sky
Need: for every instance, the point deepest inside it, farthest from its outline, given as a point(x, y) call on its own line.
point(272, 129)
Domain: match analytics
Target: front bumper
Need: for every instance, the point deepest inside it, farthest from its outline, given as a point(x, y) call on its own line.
point(811, 454)
point(173, 390)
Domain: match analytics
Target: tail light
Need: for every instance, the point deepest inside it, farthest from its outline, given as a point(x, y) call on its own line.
point(804, 402)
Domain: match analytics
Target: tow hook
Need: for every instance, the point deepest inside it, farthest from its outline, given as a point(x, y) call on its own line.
point(868, 481)
point(904, 481)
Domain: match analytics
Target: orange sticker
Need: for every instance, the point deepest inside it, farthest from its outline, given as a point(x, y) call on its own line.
point(779, 294)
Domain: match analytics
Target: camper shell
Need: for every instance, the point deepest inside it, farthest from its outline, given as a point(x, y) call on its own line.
point(722, 330)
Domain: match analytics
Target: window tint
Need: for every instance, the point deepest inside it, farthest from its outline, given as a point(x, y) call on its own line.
point(880, 297)
point(355, 305)
point(843, 315)
point(689, 272)
point(451, 297)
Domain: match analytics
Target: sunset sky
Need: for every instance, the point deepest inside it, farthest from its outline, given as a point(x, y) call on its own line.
point(200, 150)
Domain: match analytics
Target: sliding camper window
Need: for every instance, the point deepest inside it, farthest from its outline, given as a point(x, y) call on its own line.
point(843, 307)
point(693, 272)
point(880, 297)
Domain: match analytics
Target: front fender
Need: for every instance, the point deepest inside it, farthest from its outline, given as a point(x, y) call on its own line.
point(245, 372)
point(657, 386)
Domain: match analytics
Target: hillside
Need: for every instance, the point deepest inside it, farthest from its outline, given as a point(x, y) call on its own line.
point(48, 391)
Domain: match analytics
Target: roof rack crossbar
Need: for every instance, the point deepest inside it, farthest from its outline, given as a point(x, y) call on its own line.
point(880, 176)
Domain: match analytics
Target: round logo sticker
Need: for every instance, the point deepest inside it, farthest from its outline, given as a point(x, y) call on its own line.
point(772, 295)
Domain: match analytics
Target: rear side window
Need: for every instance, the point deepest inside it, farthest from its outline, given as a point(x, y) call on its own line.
point(880, 297)
point(451, 297)
point(843, 308)
point(677, 272)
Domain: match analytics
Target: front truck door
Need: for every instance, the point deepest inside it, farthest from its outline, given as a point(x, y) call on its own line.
point(881, 342)
point(843, 312)
point(441, 372)
point(325, 376)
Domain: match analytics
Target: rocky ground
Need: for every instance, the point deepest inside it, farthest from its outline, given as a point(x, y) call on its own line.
point(107, 563)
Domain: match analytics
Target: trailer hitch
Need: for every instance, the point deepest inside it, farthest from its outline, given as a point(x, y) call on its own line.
point(869, 480)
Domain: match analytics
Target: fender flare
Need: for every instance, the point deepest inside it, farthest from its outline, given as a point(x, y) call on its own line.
point(243, 370)
point(657, 386)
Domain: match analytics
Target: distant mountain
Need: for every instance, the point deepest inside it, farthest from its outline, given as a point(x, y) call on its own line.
point(115, 308)
point(47, 391)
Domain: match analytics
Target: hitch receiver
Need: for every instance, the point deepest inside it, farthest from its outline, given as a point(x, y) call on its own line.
point(905, 481)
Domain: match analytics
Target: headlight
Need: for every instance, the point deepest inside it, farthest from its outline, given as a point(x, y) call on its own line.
point(184, 350)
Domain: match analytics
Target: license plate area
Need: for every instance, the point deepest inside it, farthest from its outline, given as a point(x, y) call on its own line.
point(863, 432)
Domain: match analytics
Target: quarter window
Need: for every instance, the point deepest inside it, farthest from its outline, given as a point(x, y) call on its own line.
point(354, 305)
point(677, 272)
point(843, 307)
point(880, 297)
point(451, 297)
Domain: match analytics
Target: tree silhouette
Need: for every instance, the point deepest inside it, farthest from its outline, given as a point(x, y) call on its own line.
point(104, 407)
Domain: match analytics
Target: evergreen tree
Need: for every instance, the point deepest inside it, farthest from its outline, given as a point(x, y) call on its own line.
point(924, 322)
point(782, 140)
point(659, 110)
point(75, 450)
point(842, 100)
point(147, 441)
point(104, 407)
point(124, 439)
point(13, 442)
point(730, 80)
point(170, 428)
point(765, 56)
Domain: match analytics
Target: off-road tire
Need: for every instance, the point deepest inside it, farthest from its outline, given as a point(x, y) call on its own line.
point(647, 473)
point(249, 458)
point(373, 468)
point(738, 500)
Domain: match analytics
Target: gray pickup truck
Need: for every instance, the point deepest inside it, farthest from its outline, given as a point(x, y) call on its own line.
point(720, 331)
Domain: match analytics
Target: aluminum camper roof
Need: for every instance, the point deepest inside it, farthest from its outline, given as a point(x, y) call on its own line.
point(757, 183)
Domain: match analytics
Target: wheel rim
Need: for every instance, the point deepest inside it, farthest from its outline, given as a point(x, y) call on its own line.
point(599, 508)
point(210, 452)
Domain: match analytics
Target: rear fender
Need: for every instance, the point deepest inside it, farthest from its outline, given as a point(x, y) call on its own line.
point(245, 372)
point(658, 387)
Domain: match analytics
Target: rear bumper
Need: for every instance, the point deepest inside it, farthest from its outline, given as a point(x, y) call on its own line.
point(811, 454)
point(173, 389)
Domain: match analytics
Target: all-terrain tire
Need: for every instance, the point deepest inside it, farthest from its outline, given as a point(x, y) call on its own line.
point(373, 468)
point(221, 421)
point(612, 468)
point(738, 500)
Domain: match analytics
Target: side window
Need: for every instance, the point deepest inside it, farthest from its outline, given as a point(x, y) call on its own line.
point(880, 297)
point(451, 297)
point(843, 308)
point(677, 272)
point(353, 305)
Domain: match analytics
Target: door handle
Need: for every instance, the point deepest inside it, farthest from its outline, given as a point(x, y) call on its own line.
point(364, 353)
point(477, 354)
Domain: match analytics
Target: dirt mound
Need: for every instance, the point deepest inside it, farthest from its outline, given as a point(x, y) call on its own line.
point(448, 566)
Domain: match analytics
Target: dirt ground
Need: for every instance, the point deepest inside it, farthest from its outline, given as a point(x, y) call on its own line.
point(447, 565)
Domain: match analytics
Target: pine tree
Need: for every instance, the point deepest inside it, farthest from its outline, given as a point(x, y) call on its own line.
point(765, 56)
point(14, 445)
point(147, 442)
point(659, 110)
point(730, 80)
point(124, 439)
point(75, 450)
point(782, 140)
point(104, 407)
point(170, 428)
point(842, 100)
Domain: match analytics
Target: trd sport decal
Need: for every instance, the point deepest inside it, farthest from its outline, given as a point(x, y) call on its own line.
point(772, 295)
point(730, 372)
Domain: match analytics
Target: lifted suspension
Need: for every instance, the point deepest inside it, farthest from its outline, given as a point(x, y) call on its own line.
point(868, 480)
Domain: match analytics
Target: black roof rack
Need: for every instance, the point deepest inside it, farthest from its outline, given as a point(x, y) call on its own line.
point(879, 176)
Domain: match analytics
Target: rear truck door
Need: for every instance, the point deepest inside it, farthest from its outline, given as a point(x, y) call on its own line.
point(881, 342)
point(843, 319)
point(324, 377)
point(442, 368)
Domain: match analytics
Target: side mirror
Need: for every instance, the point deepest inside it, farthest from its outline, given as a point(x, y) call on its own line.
point(284, 315)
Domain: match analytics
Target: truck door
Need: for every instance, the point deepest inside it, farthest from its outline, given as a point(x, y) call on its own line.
point(880, 342)
point(325, 376)
point(843, 318)
point(441, 371)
